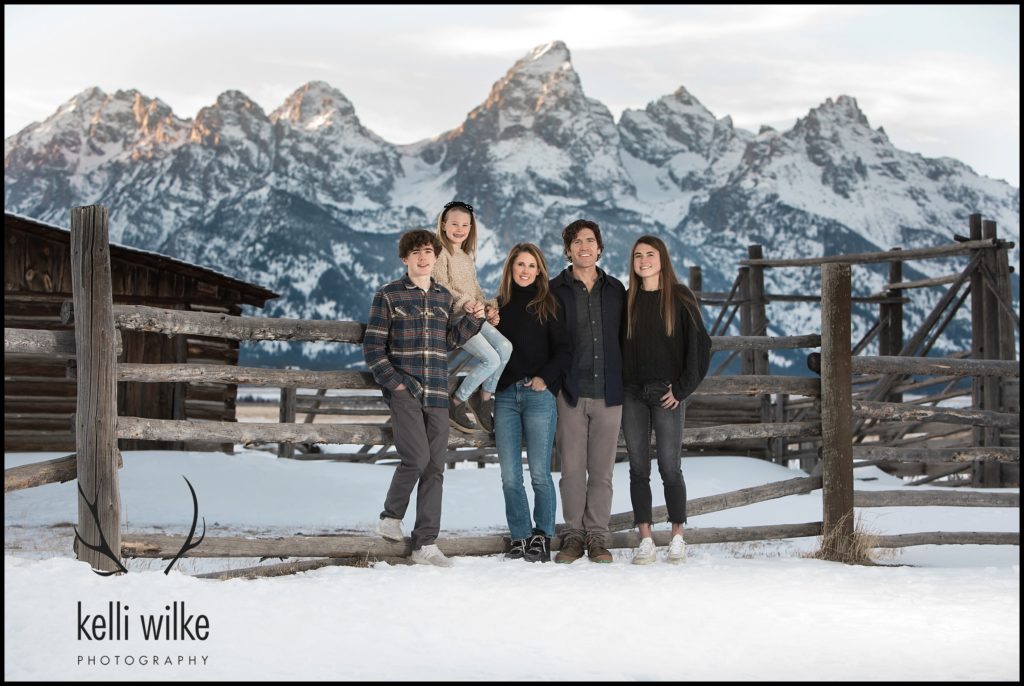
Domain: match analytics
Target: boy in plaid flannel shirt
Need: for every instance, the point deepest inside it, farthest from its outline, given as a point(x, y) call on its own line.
point(409, 333)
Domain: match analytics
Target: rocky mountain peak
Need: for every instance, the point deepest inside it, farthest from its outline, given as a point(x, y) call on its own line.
point(234, 114)
point(543, 59)
point(674, 124)
point(685, 97)
point(542, 80)
point(316, 105)
point(841, 112)
point(93, 95)
point(79, 107)
point(238, 101)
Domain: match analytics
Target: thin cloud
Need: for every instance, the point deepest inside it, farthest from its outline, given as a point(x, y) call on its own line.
point(584, 27)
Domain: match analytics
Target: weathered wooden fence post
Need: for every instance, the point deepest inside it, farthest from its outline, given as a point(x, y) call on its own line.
point(758, 310)
point(759, 327)
point(836, 413)
point(990, 389)
point(977, 332)
point(746, 320)
point(286, 415)
point(890, 334)
point(96, 409)
point(1008, 398)
point(987, 472)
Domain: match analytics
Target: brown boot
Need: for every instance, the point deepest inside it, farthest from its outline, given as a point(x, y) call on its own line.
point(572, 547)
point(596, 550)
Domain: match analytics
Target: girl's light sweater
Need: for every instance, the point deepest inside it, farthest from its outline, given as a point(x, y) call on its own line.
point(456, 271)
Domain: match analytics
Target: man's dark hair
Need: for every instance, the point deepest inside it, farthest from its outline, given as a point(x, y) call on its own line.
point(569, 233)
point(417, 239)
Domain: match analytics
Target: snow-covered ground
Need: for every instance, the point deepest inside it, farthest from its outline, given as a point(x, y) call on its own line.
point(746, 611)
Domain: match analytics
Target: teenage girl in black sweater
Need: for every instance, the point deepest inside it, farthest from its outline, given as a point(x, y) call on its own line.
point(666, 353)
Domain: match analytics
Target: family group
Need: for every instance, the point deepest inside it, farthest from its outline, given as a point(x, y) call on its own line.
point(562, 362)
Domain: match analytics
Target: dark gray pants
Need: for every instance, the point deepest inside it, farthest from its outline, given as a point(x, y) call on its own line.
point(421, 439)
point(642, 411)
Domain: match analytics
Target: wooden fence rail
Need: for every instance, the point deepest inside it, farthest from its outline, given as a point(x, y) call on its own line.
point(932, 365)
point(747, 384)
point(160, 546)
point(43, 342)
point(159, 320)
point(947, 538)
point(997, 454)
point(57, 470)
point(947, 415)
point(142, 428)
point(875, 257)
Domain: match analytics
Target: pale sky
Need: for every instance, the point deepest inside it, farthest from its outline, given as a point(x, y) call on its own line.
point(942, 80)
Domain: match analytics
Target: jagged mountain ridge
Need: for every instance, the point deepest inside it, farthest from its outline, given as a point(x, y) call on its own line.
point(308, 202)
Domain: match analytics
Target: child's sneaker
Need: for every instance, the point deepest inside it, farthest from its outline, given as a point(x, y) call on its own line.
point(483, 410)
point(459, 416)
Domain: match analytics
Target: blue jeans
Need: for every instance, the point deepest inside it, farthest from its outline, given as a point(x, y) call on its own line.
point(491, 351)
point(642, 411)
point(523, 412)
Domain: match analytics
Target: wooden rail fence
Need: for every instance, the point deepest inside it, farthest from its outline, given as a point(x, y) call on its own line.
point(840, 427)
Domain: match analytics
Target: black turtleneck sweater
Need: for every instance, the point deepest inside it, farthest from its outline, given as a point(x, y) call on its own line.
point(542, 350)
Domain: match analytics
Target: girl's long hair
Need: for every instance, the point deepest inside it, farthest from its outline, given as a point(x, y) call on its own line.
point(543, 305)
point(468, 245)
point(671, 291)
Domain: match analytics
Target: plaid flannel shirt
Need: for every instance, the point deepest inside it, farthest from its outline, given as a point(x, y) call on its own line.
point(408, 337)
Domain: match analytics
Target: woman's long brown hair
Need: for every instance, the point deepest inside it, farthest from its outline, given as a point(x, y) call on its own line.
point(672, 291)
point(543, 304)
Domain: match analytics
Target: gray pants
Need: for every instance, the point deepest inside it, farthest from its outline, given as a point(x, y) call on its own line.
point(587, 437)
point(421, 439)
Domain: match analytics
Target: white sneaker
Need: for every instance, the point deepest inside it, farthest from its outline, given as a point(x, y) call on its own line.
point(430, 555)
point(390, 529)
point(677, 550)
point(646, 553)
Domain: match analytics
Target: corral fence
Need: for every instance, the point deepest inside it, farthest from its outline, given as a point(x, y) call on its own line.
point(878, 385)
point(97, 459)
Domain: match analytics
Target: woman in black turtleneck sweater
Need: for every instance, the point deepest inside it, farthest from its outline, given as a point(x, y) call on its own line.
point(524, 408)
point(666, 353)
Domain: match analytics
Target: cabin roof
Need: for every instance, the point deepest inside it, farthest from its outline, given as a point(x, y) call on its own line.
point(251, 294)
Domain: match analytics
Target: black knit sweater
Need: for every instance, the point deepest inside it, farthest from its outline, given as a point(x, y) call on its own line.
point(681, 359)
point(538, 349)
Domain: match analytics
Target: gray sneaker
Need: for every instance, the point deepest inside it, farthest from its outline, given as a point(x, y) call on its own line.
point(460, 417)
point(430, 555)
point(390, 529)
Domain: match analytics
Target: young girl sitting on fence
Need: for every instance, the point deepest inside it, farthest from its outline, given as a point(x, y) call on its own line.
point(455, 269)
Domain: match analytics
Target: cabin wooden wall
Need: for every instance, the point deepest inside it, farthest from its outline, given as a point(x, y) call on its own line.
point(39, 399)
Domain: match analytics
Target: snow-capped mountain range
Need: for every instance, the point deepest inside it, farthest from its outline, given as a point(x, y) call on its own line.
point(308, 202)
